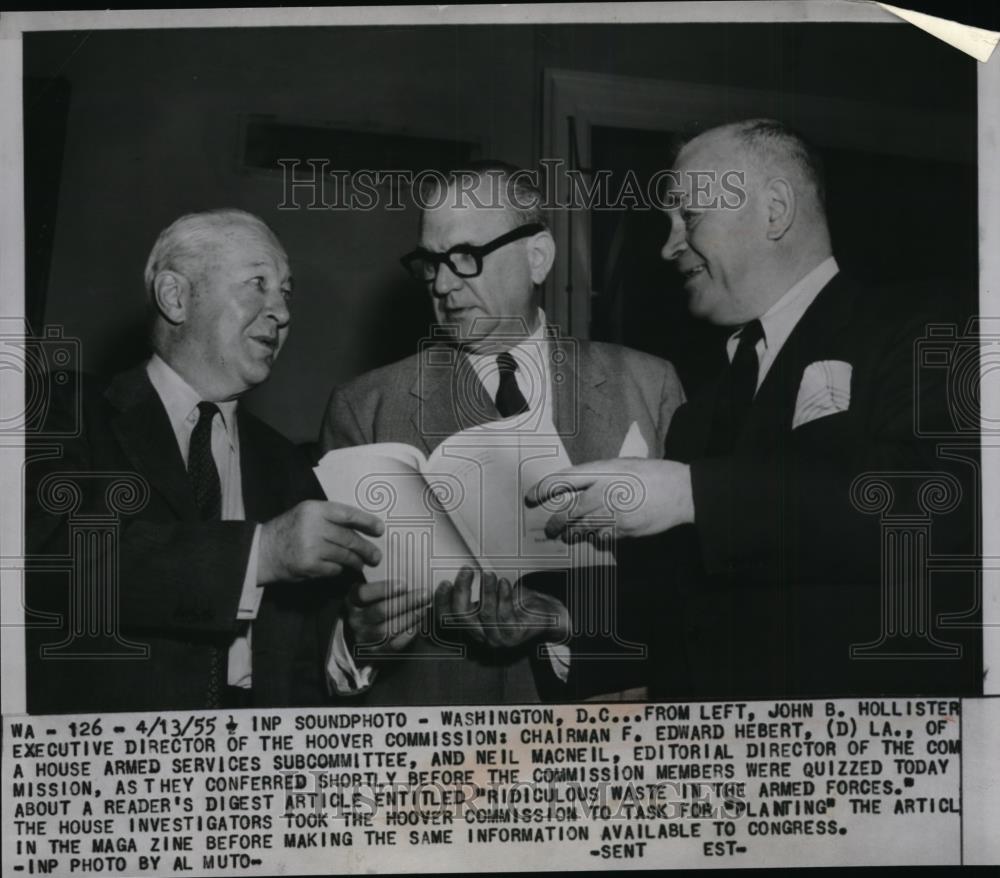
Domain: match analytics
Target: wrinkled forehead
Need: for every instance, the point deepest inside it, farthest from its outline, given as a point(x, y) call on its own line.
point(464, 216)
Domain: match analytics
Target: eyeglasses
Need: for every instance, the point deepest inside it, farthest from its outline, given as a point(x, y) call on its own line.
point(464, 260)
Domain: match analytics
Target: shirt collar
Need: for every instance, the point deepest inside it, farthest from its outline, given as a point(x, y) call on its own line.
point(528, 353)
point(181, 400)
point(783, 316)
point(486, 362)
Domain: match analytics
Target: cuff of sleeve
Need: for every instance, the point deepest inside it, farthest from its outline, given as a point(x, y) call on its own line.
point(559, 658)
point(252, 593)
point(343, 675)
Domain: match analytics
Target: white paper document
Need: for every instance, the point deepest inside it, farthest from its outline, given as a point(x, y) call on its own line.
point(463, 505)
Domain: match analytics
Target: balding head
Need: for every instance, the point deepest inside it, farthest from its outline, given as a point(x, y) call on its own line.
point(771, 149)
point(752, 222)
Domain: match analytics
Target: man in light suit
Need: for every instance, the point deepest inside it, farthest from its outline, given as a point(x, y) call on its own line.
point(224, 560)
point(484, 252)
point(770, 560)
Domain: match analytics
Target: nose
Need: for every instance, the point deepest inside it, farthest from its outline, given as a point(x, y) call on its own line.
point(277, 308)
point(676, 240)
point(445, 281)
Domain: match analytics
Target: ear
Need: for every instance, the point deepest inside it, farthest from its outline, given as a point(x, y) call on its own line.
point(780, 200)
point(541, 255)
point(172, 293)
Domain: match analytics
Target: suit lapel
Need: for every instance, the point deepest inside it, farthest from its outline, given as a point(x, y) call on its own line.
point(774, 404)
point(449, 397)
point(691, 427)
point(581, 407)
point(821, 326)
point(143, 430)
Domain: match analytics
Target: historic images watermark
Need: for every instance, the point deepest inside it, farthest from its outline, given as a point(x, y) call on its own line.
point(48, 362)
point(51, 416)
point(908, 502)
point(315, 184)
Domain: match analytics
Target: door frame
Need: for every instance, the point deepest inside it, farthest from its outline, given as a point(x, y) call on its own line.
point(599, 99)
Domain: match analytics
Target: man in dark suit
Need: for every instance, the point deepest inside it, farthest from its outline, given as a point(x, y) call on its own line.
point(484, 252)
point(766, 519)
point(214, 587)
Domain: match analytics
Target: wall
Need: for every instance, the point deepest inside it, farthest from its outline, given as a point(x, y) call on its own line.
point(153, 132)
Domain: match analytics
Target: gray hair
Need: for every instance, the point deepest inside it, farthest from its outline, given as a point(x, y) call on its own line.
point(773, 142)
point(182, 245)
point(511, 187)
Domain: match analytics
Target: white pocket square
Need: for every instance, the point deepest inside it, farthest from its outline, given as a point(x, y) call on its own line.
point(825, 390)
point(634, 444)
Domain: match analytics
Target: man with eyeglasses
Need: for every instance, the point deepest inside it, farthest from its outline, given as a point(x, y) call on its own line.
point(483, 254)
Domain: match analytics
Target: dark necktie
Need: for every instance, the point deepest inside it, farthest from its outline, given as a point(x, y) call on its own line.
point(208, 498)
point(737, 391)
point(201, 465)
point(510, 401)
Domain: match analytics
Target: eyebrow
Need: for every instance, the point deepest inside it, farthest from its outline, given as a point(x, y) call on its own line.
point(448, 249)
point(265, 264)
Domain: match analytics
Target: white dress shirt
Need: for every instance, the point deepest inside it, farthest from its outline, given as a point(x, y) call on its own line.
point(533, 376)
point(181, 402)
point(784, 315)
point(534, 380)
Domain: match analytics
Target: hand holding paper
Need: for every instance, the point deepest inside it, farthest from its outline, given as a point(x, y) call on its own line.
point(383, 617)
point(625, 497)
point(460, 506)
point(506, 616)
point(314, 539)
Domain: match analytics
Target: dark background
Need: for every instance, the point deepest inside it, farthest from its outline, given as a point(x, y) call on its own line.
point(126, 130)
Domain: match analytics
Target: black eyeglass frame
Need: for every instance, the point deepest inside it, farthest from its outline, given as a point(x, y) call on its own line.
point(476, 251)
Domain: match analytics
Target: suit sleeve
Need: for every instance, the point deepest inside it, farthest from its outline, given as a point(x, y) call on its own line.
point(600, 663)
point(341, 426)
point(185, 577)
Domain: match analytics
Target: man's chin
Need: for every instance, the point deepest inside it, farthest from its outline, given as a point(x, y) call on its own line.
point(478, 343)
point(471, 332)
point(701, 304)
point(696, 307)
point(489, 333)
point(257, 372)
